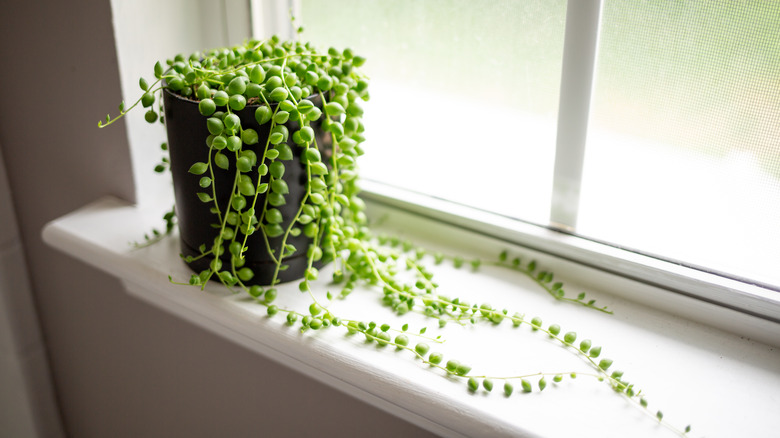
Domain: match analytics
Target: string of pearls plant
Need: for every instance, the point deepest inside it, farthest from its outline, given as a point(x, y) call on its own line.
point(284, 79)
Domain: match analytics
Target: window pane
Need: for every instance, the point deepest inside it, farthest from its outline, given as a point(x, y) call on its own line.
point(464, 95)
point(683, 153)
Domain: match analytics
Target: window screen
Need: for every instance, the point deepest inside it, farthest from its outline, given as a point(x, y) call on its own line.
point(682, 158)
point(683, 152)
point(464, 95)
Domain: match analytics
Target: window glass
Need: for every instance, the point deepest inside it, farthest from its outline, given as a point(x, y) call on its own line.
point(683, 151)
point(682, 158)
point(464, 95)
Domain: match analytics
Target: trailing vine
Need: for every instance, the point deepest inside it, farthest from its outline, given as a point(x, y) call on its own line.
point(169, 218)
point(545, 280)
point(310, 105)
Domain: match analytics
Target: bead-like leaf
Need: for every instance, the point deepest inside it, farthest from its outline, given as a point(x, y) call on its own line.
point(221, 160)
point(319, 169)
point(473, 384)
point(198, 168)
point(263, 114)
point(334, 109)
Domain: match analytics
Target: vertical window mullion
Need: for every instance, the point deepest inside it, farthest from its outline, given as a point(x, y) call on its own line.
point(577, 74)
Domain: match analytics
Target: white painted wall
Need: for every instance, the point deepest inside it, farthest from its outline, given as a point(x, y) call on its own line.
point(27, 405)
point(145, 33)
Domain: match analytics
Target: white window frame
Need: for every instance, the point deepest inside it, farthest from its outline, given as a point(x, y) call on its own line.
point(272, 17)
point(577, 77)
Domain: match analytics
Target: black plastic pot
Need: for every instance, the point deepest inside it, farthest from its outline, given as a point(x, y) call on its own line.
point(187, 133)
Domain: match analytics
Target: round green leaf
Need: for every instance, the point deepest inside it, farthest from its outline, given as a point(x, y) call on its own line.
point(257, 74)
point(243, 164)
point(238, 202)
point(245, 274)
point(313, 114)
point(233, 143)
point(311, 78)
point(279, 186)
point(237, 102)
point(287, 105)
point(198, 168)
point(277, 169)
point(462, 369)
point(273, 83)
point(304, 106)
point(249, 136)
point(176, 83)
point(273, 216)
point(473, 384)
point(203, 92)
point(279, 94)
point(246, 188)
point(290, 80)
point(285, 153)
point(354, 109)
point(253, 90)
point(147, 99)
point(207, 107)
point(215, 125)
point(221, 160)
point(150, 116)
point(422, 348)
point(337, 129)
point(273, 230)
point(158, 70)
point(221, 98)
point(307, 134)
point(281, 117)
point(319, 168)
point(219, 142)
point(313, 155)
point(334, 109)
point(232, 122)
point(236, 86)
point(324, 83)
point(263, 114)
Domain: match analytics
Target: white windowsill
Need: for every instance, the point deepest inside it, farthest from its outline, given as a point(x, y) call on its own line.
point(720, 383)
